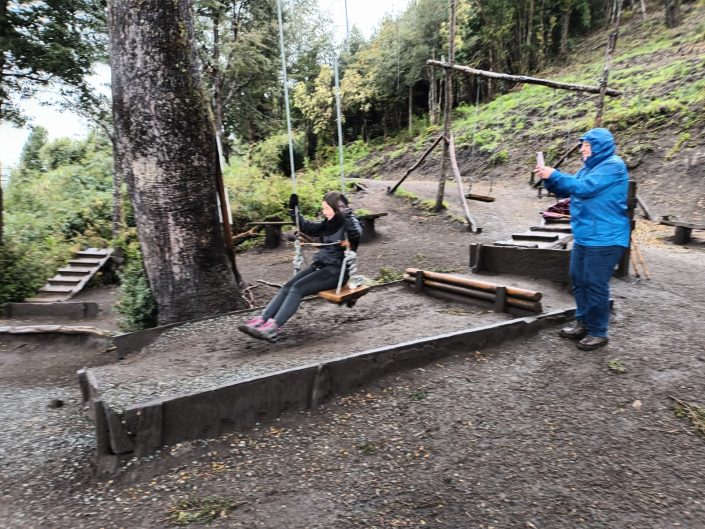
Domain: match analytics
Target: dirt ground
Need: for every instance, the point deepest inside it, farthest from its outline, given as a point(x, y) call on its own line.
point(532, 434)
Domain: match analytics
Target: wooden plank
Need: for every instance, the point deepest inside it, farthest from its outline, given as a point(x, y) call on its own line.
point(557, 229)
point(535, 237)
point(532, 262)
point(346, 294)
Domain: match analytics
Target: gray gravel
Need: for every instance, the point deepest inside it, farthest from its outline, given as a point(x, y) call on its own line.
point(212, 352)
point(33, 434)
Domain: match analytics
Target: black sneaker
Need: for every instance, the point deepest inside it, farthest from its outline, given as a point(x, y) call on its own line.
point(592, 342)
point(574, 331)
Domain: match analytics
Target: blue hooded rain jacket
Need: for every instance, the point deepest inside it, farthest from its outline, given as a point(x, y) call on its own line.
point(598, 194)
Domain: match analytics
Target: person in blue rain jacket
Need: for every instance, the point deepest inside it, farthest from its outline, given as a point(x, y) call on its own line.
point(601, 231)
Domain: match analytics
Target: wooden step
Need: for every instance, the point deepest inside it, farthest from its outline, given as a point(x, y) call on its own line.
point(70, 279)
point(547, 237)
point(58, 280)
point(516, 244)
point(47, 299)
point(84, 262)
point(555, 229)
point(56, 290)
point(77, 271)
point(91, 255)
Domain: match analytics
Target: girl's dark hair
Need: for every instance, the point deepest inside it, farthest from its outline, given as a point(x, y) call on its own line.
point(333, 198)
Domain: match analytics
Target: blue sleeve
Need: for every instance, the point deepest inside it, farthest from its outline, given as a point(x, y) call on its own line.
point(593, 183)
point(553, 184)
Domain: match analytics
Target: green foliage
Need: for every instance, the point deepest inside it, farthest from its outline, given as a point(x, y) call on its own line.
point(201, 510)
point(693, 412)
point(45, 42)
point(616, 366)
point(30, 159)
point(387, 275)
point(256, 196)
point(136, 304)
point(407, 195)
point(21, 273)
point(50, 213)
point(272, 155)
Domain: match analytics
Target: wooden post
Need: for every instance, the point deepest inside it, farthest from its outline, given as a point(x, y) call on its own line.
point(623, 267)
point(472, 225)
point(413, 168)
point(448, 109)
point(227, 229)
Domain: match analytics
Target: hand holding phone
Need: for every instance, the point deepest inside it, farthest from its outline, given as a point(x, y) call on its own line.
point(539, 159)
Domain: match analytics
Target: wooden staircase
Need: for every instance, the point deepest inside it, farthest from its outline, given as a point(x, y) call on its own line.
point(69, 280)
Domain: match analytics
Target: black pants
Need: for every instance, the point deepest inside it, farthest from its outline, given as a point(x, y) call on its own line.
point(308, 281)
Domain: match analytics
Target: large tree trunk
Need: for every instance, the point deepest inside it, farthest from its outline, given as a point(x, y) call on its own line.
point(167, 153)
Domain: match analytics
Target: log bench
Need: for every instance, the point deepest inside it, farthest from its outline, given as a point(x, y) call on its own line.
point(684, 230)
point(272, 231)
point(368, 225)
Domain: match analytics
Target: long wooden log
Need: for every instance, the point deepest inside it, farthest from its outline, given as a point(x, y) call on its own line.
point(526, 79)
point(413, 168)
point(514, 292)
point(459, 183)
point(533, 306)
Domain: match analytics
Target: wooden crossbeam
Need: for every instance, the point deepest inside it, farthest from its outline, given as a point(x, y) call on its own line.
point(525, 79)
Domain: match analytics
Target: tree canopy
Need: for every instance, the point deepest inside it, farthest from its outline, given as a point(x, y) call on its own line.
point(46, 42)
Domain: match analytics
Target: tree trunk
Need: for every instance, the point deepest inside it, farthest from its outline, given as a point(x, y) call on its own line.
point(411, 110)
point(168, 157)
point(565, 27)
point(431, 96)
point(448, 109)
point(673, 13)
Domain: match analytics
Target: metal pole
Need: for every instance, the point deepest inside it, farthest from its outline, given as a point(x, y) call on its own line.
point(286, 95)
point(347, 27)
point(341, 156)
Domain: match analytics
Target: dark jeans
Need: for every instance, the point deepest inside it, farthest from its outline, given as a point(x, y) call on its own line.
point(591, 268)
point(308, 281)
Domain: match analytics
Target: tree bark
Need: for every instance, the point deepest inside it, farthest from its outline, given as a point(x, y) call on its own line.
point(448, 109)
point(673, 13)
point(565, 27)
point(411, 109)
point(168, 157)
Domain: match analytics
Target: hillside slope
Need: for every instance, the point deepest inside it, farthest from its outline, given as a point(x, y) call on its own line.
point(659, 122)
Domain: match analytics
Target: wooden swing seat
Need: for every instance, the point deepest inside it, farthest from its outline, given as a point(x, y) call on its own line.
point(481, 198)
point(346, 294)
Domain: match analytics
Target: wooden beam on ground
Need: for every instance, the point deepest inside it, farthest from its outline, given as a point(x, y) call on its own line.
point(525, 79)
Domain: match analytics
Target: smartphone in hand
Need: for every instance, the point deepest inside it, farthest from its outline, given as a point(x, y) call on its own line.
point(539, 159)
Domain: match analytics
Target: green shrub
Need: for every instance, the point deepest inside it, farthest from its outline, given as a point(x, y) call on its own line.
point(136, 304)
point(21, 274)
point(272, 154)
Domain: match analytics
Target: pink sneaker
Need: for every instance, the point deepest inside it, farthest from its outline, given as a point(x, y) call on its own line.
point(255, 322)
point(250, 325)
point(269, 330)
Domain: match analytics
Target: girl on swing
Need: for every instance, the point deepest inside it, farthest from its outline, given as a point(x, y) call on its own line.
point(338, 224)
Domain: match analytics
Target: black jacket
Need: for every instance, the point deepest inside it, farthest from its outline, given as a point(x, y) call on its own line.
point(332, 231)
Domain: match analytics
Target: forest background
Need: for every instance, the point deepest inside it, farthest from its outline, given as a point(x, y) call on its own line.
point(65, 194)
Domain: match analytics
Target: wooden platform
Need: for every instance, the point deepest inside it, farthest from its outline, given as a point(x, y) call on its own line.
point(70, 279)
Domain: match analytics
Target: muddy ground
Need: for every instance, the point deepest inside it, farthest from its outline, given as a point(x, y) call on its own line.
point(532, 434)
